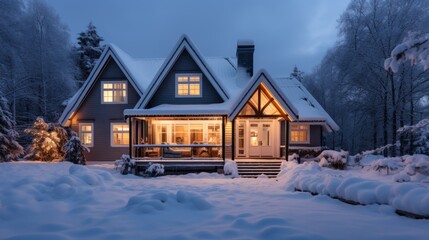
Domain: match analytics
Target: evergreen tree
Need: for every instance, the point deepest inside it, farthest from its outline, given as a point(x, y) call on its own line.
point(63, 135)
point(89, 49)
point(297, 74)
point(75, 151)
point(10, 149)
point(45, 143)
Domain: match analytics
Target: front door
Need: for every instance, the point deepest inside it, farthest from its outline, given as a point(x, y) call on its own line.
point(261, 142)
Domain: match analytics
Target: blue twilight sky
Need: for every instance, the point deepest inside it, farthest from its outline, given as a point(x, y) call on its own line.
point(285, 32)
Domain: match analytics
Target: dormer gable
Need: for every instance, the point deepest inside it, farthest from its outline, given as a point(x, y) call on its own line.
point(184, 78)
point(111, 72)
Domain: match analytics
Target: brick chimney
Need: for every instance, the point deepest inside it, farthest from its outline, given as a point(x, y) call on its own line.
point(245, 50)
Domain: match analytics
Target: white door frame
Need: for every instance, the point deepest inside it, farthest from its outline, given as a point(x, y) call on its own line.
point(263, 147)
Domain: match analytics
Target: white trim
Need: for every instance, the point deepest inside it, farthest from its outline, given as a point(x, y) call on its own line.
point(189, 82)
point(299, 130)
point(92, 133)
point(111, 134)
point(113, 82)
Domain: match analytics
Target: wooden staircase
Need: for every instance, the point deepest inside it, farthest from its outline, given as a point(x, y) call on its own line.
point(254, 168)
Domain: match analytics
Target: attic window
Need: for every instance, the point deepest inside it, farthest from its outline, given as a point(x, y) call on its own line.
point(114, 92)
point(189, 85)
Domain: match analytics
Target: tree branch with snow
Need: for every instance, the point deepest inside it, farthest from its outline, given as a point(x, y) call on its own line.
point(413, 49)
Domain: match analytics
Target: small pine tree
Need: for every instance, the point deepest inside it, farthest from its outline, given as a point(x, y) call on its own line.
point(45, 143)
point(10, 149)
point(297, 74)
point(63, 135)
point(89, 49)
point(75, 151)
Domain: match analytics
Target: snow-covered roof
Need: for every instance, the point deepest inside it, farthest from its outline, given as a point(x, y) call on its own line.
point(230, 80)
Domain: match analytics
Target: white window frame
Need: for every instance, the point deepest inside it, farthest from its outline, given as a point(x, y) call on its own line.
point(189, 82)
point(299, 130)
point(92, 133)
point(114, 82)
point(111, 134)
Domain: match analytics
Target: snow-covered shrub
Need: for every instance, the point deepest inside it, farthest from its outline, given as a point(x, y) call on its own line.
point(333, 159)
point(75, 151)
point(390, 165)
point(294, 157)
point(417, 164)
point(415, 138)
point(45, 143)
point(230, 168)
point(10, 149)
point(126, 164)
point(63, 136)
point(154, 169)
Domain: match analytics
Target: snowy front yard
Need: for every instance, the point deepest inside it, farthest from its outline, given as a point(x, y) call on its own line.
point(65, 201)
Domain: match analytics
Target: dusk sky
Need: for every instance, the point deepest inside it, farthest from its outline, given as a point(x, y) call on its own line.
point(285, 33)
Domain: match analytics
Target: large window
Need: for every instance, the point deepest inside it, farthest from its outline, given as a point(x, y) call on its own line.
point(86, 134)
point(187, 132)
point(299, 133)
point(189, 85)
point(120, 135)
point(114, 92)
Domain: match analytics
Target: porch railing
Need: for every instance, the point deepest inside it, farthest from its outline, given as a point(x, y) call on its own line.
point(177, 151)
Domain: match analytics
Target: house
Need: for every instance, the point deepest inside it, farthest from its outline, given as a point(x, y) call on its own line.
point(188, 110)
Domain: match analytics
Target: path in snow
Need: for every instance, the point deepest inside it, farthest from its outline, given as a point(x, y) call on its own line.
point(64, 201)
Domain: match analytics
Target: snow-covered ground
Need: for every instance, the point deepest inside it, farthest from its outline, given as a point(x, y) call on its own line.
point(65, 201)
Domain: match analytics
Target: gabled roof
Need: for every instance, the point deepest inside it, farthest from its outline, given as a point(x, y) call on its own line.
point(309, 109)
point(263, 77)
point(123, 62)
point(184, 43)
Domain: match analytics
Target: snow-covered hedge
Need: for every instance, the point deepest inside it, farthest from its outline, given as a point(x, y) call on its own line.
point(409, 197)
point(333, 159)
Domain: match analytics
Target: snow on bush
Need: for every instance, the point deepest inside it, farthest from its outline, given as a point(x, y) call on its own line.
point(333, 159)
point(415, 138)
point(154, 169)
point(230, 168)
point(74, 151)
point(125, 164)
point(10, 149)
point(388, 165)
point(293, 157)
point(311, 177)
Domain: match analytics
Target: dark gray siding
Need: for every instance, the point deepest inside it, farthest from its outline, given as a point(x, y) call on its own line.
point(315, 136)
point(102, 115)
point(165, 94)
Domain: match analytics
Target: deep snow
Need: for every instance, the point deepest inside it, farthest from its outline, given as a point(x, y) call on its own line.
point(65, 201)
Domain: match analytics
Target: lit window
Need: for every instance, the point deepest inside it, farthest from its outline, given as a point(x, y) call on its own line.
point(120, 134)
point(299, 133)
point(86, 134)
point(114, 92)
point(188, 85)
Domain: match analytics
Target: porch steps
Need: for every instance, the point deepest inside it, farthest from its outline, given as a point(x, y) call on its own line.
point(253, 169)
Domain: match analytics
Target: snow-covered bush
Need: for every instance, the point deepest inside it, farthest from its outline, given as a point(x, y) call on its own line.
point(230, 168)
point(45, 143)
point(154, 169)
point(10, 149)
point(415, 138)
point(75, 151)
point(294, 157)
point(416, 169)
point(125, 164)
point(333, 159)
point(389, 165)
point(63, 135)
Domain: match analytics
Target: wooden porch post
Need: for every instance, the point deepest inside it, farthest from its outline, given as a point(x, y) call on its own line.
point(233, 140)
point(223, 138)
point(130, 138)
point(287, 139)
